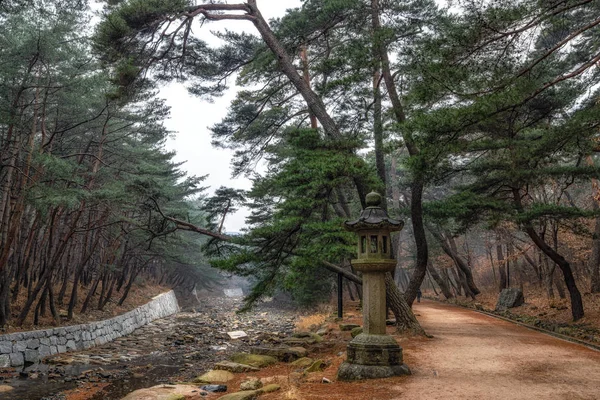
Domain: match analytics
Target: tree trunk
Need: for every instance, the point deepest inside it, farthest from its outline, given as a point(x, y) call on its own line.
point(90, 294)
point(549, 275)
point(594, 265)
point(416, 207)
point(431, 282)
point(449, 246)
point(405, 318)
point(559, 287)
point(436, 277)
point(501, 267)
point(565, 267)
point(417, 184)
point(52, 304)
point(458, 286)
point(491, 257)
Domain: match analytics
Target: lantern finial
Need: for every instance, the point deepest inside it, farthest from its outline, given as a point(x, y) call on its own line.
point(373, 199)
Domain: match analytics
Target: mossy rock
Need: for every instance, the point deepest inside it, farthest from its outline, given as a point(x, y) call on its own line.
point(234, 367)
point(356, 331)
point(243, 395)
point(254, 360)
point(269, 388)
point(251, 384)
point(303, 362)
point(215, 376)
point(302, 338)
point(285, 354)
point(316, 366)
point(348, 327)
point(317, 338)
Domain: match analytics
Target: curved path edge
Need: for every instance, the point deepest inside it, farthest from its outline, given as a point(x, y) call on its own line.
point(566, 338)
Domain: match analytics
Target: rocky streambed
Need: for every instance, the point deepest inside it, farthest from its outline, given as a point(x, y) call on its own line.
point(176, 348)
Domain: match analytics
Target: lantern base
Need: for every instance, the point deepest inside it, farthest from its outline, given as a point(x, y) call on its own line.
point(372, 357)
point(357, 372)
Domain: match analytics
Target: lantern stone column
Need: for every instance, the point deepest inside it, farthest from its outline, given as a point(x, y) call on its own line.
point(373, 353)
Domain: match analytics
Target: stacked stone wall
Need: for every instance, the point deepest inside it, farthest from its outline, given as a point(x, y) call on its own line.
point(19, 348)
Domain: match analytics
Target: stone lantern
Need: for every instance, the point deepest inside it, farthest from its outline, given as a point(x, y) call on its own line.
point(373, 353)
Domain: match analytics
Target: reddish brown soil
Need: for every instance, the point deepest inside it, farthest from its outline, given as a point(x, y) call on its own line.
point(471, 356)
point(138, 295)
point(549, 314)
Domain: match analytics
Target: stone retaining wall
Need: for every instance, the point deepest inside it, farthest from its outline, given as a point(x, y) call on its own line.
point(18, 348)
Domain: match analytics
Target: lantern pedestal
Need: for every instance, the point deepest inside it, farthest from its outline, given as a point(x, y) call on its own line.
point(373, 354)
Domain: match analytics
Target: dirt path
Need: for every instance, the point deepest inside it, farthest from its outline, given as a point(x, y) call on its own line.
point(474, 356)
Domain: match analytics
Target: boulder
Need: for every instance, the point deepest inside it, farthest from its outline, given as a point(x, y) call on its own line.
point(234, 367)
point(303, 362)
point(510, 298)
point(286, 354)
point(215, 376)
point(322, 331)
point(299, 341)
point(308, 337)
point(356, 331)
point(251, 384)
point(214, 388)
point(316, 366)
point(255, 360)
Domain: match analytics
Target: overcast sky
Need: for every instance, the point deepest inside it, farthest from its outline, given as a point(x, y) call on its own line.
point(191, 117)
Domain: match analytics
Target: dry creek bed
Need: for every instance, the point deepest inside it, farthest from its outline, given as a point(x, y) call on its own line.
point(179, 347)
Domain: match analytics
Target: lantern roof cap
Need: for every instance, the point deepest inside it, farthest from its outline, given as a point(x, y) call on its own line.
point(374, 217)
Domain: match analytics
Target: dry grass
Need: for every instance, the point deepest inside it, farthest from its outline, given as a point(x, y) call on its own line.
point(292, 393)
point(310, 322)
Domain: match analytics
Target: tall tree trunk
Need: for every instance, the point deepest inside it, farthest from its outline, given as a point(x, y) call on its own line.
point(574, 294)
point(441, 283)
point(458, 286)
point(378, 135)
point(90, 294)
point(549, 275)
point(306, 76)
point(418, 182)
point(405, 318)
point(501, 267)
point(559, 287)
point(488, 249)
point(132, 277)
point(449, 246)
point(594, 265)
point(462, 266)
